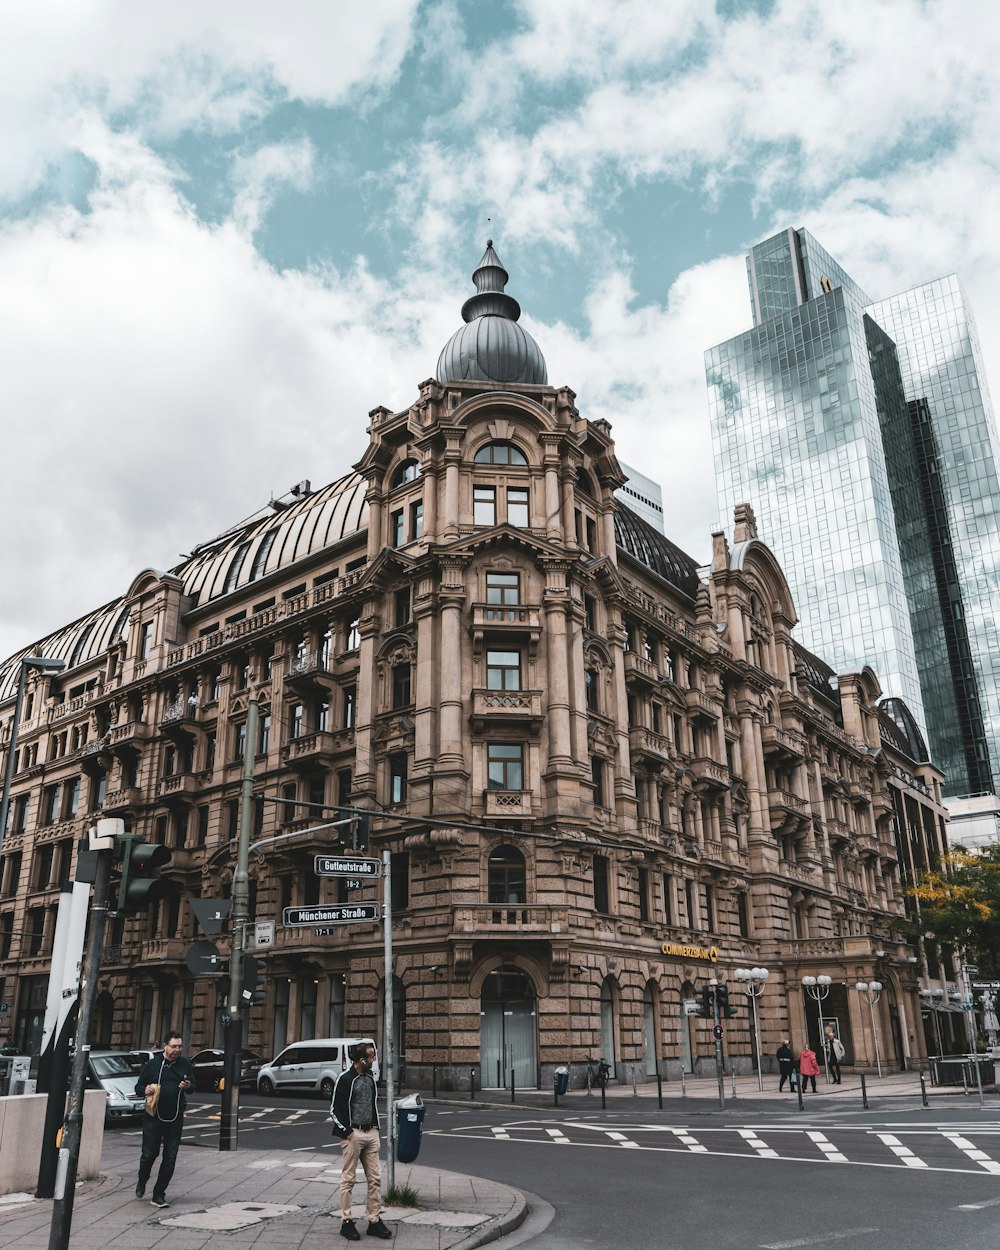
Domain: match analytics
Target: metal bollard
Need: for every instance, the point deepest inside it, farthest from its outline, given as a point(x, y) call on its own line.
point(923, 1089)
point(659, 1090)
point(555, 1090)
point(472, 1083)
point(684, 1085)
point(512, 1084)
point(864, 1092)
point(434, 1082)
point(604, 1099)
point(798, 1090)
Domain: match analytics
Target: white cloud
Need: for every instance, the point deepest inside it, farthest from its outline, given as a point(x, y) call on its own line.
point(259, 175)
point(183, 65)
point(159, 381)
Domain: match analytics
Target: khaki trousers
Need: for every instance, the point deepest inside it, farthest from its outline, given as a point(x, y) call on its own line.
point(363, 1146)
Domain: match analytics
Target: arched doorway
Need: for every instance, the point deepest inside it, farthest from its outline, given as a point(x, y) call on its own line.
point(508, 1031)
point(609, 1031)
point(684, 1028)
point(650, 1033)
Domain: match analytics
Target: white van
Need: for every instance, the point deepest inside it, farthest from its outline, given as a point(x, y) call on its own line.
point(310, 1067)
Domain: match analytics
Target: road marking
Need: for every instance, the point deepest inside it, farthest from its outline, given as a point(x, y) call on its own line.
point(827, 1146)
point(622, 1140)
point(817, 1241)
point(558, 1136)
point(295, 1115)
point(501, 1134)
point(692, 1143)
point(978, 1206)
point(901, 1151)
point(761, 1147)
point(969, 1148)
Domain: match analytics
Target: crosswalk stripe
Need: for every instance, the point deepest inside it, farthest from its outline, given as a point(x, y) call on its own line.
point(625, 1142)
point(969, 1148)
point(827, 1146)
point(501, 1134)
point(901, 1151)
point(558, 1136)
point(761, 1147)
point(692, 1143)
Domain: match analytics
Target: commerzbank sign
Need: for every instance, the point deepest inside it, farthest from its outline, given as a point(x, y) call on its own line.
point(676, 950)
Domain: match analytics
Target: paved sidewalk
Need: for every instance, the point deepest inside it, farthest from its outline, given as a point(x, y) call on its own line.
point(702, 1092)
point(267, 1199)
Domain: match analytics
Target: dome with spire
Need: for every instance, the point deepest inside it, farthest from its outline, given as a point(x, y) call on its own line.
point(491, 346)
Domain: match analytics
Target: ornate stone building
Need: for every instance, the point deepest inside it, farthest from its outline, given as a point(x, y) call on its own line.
point(605, 774)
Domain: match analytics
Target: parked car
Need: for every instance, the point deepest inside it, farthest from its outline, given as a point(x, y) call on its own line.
point(208, 1067)
point(115, 1072)
point(310, 1066)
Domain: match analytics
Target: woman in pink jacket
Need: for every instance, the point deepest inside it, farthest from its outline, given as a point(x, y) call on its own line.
point(808, 1066)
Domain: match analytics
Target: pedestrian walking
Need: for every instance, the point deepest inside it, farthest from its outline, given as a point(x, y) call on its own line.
point(808, 1067)
point(164, 1082)
point(834, 1054)
point(786, 1065)
point(354, 1112)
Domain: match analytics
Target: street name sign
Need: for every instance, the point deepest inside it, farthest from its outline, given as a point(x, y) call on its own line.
point(339, 913)
point(986, 985)
point(347, 866)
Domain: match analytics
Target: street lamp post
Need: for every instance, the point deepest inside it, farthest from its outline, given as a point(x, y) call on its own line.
point(934, 997)
point(871, 992)
point(752, 982)
point(818, 989)
point(46, 665)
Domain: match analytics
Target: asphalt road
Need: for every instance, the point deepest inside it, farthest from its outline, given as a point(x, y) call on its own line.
point(761, 1178)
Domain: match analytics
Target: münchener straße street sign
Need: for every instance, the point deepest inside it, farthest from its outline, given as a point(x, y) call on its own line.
point(340, 913)
point(346, 866)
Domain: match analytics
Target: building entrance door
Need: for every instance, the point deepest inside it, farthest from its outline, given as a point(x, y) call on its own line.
point(507, 1037)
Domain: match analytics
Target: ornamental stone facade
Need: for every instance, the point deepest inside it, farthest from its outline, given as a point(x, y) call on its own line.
point(605, 774)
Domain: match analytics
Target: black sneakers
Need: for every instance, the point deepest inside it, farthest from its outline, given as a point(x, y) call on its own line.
point(140, 1189)
point(378, 1229)
point(348, 1230)
point(158, 1202)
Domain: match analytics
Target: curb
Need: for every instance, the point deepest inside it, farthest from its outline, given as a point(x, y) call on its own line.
point(505, 1224)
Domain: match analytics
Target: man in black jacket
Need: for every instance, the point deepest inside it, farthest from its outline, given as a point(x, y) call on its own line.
point(354, 1112)
point(172, 1072)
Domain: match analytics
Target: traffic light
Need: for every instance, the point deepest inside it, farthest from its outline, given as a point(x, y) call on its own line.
point(705, 999)
point(360, 830)
point(140, 884)
point(726, 1010)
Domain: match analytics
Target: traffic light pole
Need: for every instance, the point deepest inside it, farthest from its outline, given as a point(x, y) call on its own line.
point(717, 1031)
point(388, 1047)
point(235, 1008)
point(69, 1153)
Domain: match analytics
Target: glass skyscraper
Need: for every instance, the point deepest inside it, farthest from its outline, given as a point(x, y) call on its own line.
point(862, 435)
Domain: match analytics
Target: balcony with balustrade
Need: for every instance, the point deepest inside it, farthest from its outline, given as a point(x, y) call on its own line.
point(519, 622)
point(308, 674)
point(507, 804)
point(710, 773)
point(703, 704)
point(319, 747)
point(782, 746)
point(508, 919)
point(165, 950)
point(648, 746)
point(180, 788)
point(506, 707)
point(790, 814)
point(130, 735)
point(640, 670)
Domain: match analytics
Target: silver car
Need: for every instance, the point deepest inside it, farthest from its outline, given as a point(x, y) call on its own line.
point(116, 1072)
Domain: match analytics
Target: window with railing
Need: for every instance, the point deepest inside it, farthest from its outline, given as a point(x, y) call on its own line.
point(505, 765)
point(506, 883)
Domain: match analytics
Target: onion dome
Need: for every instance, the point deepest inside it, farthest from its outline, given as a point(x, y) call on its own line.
point(491, 346)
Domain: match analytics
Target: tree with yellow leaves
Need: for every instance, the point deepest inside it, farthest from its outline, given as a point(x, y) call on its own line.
point(960, 906)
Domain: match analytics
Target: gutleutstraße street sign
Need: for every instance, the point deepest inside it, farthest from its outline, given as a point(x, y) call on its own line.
point(339, 913)
point(346, 866)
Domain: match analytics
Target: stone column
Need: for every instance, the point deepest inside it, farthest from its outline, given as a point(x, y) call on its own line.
point(450, 519)
point(452, 705)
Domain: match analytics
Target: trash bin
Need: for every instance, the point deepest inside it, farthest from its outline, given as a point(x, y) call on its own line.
point(410, 1113)
point(562, 1080)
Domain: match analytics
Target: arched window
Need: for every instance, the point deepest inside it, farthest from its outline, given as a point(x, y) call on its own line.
point(507, 879)
point(584, 483)
point(500, 453)
point(408, 471)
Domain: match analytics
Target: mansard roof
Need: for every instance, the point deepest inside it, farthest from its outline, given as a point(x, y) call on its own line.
point(646, 544)
point(273, 538)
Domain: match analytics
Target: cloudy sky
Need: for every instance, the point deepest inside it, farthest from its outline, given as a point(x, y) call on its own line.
point(230, 229)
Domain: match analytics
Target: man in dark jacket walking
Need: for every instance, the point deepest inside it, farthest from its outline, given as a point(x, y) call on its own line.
point(354, 1112)
point(172, 1072)
point(786, 1064)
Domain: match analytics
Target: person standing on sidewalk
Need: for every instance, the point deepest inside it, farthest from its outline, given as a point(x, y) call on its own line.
point(354, 1112)
point(808, 1067)
point(171, 1073)
point(834, 1053)
point(786, 1065)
